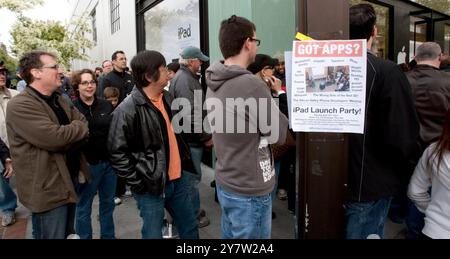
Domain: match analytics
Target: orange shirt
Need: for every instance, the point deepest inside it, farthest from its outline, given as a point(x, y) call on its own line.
point(175, 160)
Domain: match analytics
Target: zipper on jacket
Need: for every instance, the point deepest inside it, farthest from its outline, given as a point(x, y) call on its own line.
point(166, 171)
point(363, 158)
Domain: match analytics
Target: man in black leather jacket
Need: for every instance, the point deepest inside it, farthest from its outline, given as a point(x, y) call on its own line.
point(146, 152)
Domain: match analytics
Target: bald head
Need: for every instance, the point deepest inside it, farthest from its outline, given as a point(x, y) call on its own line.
point(429, 53)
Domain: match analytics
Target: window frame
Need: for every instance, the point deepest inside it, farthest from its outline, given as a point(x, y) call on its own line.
point(115, 15)
point(94, 25)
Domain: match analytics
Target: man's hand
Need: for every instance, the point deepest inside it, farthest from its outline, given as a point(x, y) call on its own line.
point(275, 83)
point(8, 168)
point(209, 143)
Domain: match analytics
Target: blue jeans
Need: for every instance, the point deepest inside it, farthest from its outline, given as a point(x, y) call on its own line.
point(178, 203)
point(366, 218)
point(51, 224)
point(245, 217)
point(415, 221)
point(8, 199)
point(195, 179)
point(104, 180)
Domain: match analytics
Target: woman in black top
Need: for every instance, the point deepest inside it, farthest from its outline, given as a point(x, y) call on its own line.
point(104, 179)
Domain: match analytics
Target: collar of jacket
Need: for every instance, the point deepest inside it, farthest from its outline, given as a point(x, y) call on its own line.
point(36, 93)
point(186, 68)
point(121, 74)
point(82, 103)
point(426, 67)
point(141, 98)
point(6, 92)
point(371, 53)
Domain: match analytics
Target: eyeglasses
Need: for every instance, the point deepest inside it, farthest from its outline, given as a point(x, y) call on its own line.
point(3, 72)
point(55, 66)
point(86, 83)
point(258, 42)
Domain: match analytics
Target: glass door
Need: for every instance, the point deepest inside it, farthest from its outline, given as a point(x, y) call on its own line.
point(419, 34)
point(381, 43)
point(446, 39)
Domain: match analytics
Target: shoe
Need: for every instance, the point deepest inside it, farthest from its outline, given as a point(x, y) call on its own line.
point(169, 231)
point(73, 236)
point(117, 201)
point(282, 194)
point(274, 216)
point(8, 219)
point(203, 222)
point(128, 193)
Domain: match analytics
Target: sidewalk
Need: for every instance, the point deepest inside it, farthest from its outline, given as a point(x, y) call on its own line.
point(19, 229)
point(128, 223)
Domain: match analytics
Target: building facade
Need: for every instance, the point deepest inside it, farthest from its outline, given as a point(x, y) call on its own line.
point(403, 25)
point(113, 28)
point(170, 25)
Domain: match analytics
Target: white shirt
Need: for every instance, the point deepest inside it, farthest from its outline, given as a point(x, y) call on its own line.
point(436, 206)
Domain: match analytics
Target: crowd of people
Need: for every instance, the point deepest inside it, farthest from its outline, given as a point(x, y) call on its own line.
point(69, 137)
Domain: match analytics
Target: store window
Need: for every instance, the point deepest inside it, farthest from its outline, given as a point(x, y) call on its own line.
point(438, 5)
point(447, 39)
point(171, 26)
point(275, 22)
point(418, 34)
point(381, 43)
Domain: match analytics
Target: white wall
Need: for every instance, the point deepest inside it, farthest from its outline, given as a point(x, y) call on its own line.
point(107, 43)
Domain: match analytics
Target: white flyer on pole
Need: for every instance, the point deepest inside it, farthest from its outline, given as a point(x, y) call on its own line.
point(329, 86)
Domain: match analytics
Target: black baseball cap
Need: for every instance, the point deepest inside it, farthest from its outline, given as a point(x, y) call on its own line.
point(262, 61)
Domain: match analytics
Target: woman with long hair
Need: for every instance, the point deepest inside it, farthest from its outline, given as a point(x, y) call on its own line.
point(433, 171)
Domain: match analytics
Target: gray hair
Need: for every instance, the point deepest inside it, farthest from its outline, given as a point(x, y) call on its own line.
point(185, 62)
point(428, 51)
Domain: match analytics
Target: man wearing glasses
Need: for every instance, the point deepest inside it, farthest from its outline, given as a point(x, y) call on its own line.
point(43, 133)
point(8, 199)
point(245, 174)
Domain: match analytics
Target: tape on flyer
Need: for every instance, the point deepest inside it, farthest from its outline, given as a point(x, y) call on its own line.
point(303, 37)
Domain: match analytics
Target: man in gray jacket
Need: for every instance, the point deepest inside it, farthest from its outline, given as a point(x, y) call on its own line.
point(186, 84)
point(244, 121)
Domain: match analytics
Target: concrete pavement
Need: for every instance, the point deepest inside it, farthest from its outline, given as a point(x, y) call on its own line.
point(128, 223)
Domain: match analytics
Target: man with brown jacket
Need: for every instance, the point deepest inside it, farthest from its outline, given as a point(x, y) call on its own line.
point(43, 132)
point(431, 92)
